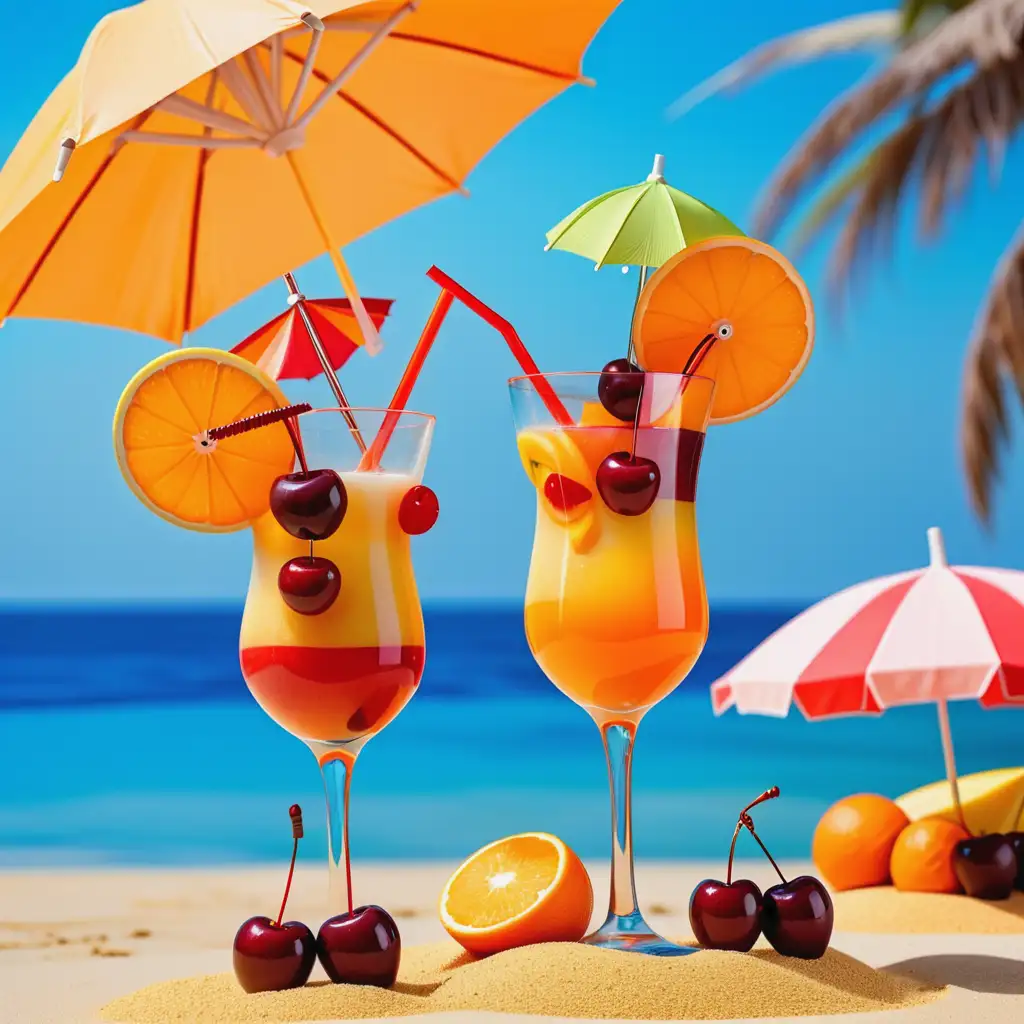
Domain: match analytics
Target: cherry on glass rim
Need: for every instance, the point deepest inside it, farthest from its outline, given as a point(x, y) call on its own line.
point(418, 510)
point(619, 388)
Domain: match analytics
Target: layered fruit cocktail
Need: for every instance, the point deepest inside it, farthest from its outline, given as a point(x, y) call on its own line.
point(616, 611)
point(332, 640)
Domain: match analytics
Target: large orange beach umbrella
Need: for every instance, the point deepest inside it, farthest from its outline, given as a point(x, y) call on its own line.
point(207, 146)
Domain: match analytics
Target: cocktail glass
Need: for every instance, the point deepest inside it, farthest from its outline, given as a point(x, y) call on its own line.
point(335, 679)
point(616, 611)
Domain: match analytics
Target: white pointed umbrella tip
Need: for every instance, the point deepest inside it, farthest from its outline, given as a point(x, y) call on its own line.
point(658, 170)
point(936, 546)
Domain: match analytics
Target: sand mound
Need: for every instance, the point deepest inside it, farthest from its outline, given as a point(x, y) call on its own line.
point(558, 979)
point(884, 909)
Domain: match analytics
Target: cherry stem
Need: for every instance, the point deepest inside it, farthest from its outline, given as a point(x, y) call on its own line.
point(288, 884)
point(732, 851)
point(636, 418)
point(293, 433)
point(696, 357)
point(749, 822)
point(768, 794)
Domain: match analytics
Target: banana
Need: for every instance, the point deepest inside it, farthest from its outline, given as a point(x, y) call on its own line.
point(992, 801)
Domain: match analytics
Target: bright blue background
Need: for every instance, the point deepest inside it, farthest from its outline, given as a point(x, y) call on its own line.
point(128, 739)
point(836, 483)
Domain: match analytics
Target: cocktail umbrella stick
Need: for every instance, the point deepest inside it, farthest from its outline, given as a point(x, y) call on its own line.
point(298, 300)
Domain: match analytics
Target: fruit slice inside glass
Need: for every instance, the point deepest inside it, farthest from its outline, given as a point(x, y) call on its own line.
point(616, 610)
point(337, 678)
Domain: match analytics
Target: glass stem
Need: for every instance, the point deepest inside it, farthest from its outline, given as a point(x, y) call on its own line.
point(618, 740)
point(336, 768)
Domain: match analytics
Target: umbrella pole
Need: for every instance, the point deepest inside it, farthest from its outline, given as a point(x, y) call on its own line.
point(947, 753)
point(636, 302)
point(298, 300)
point(370, 336)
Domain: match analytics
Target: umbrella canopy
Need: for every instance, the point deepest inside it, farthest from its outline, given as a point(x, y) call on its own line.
point(281, 347)
point(641, 225)
point(206, 148)
point(934, 635)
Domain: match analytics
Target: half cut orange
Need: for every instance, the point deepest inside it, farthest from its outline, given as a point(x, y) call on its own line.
point(733, 309)
point(518, 891)
point(159, 427)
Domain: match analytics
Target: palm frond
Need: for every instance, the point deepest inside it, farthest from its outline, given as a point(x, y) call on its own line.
point(832, 201)
point(996, 354)
point(985, 33)
point(877, 30)
point(938, 146)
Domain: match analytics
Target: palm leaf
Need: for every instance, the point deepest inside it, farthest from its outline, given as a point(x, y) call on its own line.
point(984, 33)
point(996, 353)
point(939, 147)
point(872, 31)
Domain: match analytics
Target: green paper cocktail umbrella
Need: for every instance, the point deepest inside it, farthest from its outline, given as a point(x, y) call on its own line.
point(640, 225)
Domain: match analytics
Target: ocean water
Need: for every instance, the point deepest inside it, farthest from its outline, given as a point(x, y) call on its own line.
point(129, 737)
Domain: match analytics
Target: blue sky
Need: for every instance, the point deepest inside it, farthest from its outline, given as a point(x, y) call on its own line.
point(836, 483)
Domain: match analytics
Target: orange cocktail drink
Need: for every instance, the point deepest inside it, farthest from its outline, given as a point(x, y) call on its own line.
point(616, 610)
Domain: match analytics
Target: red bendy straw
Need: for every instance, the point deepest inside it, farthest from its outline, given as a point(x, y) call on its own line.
point(451, 290)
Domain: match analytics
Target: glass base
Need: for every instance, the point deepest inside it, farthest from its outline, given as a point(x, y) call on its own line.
point(633, 934)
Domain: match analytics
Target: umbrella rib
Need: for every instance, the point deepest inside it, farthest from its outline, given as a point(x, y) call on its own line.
point(69, 217)
point(621, 228)
point(497, 58)
point(197, 208)
point(421, 157)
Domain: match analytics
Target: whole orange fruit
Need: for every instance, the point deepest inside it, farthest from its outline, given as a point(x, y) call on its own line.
point(854, 839)
point(922, 859)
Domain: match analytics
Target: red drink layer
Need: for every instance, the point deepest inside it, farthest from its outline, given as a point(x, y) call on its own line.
point(332, 694)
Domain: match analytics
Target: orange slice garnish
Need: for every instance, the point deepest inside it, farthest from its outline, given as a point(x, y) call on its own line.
point(216, 486)
point(518, 891)
point(749, 298)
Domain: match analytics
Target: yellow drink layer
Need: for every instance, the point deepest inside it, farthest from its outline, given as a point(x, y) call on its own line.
point(616, 610)
point(378, 605)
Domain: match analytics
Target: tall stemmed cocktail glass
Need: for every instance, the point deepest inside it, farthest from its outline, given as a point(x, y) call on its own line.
point(616, 611)
point(336, 678)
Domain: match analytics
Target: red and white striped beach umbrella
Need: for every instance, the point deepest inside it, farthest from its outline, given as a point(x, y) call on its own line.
point(934, 635)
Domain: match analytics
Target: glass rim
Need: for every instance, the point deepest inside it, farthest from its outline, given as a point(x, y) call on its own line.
point(424, 417)
point(530, 377)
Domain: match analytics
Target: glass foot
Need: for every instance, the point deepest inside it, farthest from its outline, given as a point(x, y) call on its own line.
point(633, 934)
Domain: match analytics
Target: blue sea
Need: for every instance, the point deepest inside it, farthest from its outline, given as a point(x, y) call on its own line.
point(128, 736)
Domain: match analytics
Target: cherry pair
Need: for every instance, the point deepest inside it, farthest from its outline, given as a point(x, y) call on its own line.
point(795, 916)
point(310, 505)
point(362, 947)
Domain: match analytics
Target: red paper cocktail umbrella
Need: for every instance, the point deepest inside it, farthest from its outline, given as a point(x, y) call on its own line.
point(284, 347)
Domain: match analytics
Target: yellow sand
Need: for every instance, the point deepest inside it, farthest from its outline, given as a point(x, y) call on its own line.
point(884, 909)
point(558, 979)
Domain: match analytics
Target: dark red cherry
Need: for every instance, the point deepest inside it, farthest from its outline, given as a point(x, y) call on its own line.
point(419, 510)
point(619, 388)
point(565, 493)
point(310, 505)
point(360, 948)
point(308, 585)
point(628, 483)
point(269, 957)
